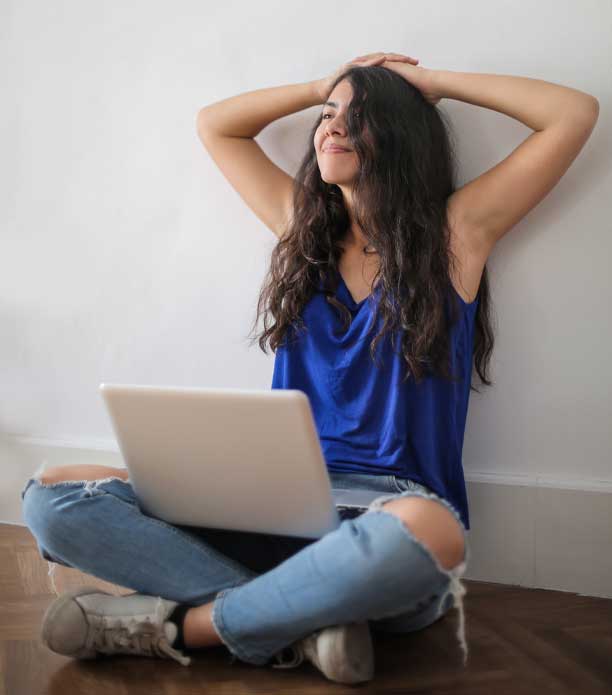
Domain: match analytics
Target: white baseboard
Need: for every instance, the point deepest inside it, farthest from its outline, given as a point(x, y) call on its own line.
point(535, 532)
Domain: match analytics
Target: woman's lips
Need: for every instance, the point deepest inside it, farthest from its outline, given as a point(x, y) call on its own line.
point(336, 150)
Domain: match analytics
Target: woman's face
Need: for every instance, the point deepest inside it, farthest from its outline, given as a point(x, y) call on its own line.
point(336, 167)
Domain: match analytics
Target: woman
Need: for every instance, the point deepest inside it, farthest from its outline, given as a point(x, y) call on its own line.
point(374, 241)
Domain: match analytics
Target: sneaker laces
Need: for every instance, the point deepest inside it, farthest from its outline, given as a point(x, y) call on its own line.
point(110, 635)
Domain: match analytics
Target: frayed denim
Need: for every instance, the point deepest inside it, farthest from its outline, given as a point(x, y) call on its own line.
point(267, 591)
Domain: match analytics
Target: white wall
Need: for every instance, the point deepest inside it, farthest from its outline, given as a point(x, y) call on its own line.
point(127, 257)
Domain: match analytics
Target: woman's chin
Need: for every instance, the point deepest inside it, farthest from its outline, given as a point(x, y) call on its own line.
point(339, 180)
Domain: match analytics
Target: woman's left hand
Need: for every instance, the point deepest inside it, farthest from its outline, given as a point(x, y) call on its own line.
point(421, 78)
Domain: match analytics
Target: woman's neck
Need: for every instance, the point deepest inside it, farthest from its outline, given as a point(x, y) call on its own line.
point(356, 242)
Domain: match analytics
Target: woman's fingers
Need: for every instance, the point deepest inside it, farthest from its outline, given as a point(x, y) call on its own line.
point(369, 61)
point(400, 57)
point(388, 56)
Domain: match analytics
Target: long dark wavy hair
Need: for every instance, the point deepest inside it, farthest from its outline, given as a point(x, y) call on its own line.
point(406, 174)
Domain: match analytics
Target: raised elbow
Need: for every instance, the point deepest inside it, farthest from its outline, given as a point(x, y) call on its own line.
point(592, 108)
point(201, 119)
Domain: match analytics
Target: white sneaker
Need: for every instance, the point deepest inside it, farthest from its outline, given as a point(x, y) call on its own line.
point(86, 622)
point(343, 653)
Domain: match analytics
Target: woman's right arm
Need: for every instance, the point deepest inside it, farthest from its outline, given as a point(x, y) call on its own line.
point(227, 129)
point(246, 115)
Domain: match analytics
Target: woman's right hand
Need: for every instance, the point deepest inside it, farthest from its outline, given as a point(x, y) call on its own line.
point(324, 85)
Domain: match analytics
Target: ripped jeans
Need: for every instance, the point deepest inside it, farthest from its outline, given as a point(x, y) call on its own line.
point(268, 591)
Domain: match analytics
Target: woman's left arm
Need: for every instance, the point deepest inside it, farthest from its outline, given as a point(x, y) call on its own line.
point(536, 103)
point(562, 118)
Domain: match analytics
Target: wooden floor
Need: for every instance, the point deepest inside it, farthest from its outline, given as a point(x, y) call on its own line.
point(521, 641)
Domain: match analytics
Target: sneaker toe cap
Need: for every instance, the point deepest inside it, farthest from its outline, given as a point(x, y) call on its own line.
point(64, 628)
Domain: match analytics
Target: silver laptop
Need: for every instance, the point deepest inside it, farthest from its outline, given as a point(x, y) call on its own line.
point(236, 459)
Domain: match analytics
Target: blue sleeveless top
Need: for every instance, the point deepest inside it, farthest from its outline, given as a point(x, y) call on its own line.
point(367, 420)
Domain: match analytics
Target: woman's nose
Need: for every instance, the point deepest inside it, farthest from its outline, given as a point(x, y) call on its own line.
point(333, 126)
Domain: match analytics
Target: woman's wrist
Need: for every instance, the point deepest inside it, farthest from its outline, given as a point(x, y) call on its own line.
point(318, 90)
point(436, 81)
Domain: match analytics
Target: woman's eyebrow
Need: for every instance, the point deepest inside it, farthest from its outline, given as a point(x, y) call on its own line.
point(331, 103)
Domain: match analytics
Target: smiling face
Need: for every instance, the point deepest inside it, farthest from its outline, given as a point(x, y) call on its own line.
point(336, 167)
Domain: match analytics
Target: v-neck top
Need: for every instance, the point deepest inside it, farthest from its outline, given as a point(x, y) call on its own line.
point(367, 420)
